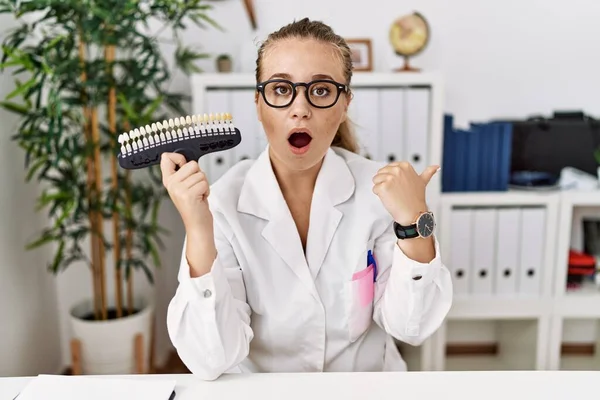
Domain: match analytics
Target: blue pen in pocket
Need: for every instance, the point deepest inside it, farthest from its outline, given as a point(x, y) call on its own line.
point(371, 260)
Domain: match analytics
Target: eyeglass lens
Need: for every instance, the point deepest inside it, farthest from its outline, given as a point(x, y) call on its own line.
point(320, 94)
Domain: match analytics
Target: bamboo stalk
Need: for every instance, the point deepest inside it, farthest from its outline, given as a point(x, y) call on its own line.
point(129, 235)
point(112, 126)
point(99, 219)
point(129, 250)
point(90, 180)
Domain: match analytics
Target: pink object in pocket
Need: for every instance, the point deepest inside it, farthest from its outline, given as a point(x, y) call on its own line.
point(364, 286)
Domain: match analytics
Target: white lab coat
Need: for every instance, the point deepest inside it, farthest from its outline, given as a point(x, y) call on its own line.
point(267, 307)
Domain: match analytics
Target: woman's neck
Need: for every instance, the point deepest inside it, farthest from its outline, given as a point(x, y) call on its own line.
point(295, 183)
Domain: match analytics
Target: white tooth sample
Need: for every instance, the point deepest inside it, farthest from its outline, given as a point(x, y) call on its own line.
point(122, 143)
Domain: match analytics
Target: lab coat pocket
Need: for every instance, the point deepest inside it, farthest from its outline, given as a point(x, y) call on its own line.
point(360, 292)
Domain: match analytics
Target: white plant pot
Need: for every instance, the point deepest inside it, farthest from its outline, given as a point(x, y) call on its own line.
point(108, 347)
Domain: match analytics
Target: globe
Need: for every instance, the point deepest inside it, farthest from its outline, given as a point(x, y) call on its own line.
point(409, 35)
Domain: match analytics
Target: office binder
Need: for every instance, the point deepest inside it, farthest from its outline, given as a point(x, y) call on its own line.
point(478, 158)
point(417, 127)
point(460, 257)
point(508, 251)
point(483, 247)
point(364, 113)
point(393, 129)
point(533, 234)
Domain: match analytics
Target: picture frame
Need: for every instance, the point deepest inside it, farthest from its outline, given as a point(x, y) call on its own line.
point(362, 54)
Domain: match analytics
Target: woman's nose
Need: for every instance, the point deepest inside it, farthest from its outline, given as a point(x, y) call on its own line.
point(300, 107)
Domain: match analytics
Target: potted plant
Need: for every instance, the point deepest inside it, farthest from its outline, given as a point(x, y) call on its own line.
point(224, 63)
point(85, 71)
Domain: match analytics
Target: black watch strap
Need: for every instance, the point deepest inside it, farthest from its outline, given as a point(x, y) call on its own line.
point(405, 232)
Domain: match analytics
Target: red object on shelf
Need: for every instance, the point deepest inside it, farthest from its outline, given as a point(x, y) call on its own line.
point(581, 263)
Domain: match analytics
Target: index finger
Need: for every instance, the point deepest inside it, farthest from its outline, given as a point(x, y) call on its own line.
point(171, 162)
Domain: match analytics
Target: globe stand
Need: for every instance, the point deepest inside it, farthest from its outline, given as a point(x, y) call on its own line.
point(406, 67)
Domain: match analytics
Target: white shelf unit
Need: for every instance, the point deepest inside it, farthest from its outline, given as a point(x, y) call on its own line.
point(483, 302)
point(539, 322)
point(574, 307)
point(397, 116)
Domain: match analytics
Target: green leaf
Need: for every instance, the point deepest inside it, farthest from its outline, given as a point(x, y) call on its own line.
point(21, 88)
point(14, 107)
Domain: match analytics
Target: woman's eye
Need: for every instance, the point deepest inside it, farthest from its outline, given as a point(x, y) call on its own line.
point(282, 90)
point(320, 91)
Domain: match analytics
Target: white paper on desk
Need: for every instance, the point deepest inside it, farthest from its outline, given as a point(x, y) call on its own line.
point(62, 387)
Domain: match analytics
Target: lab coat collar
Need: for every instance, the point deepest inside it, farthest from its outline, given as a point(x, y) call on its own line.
point(261, 196)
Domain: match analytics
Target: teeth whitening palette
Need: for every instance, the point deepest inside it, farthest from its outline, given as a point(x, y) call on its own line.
point(192, 136)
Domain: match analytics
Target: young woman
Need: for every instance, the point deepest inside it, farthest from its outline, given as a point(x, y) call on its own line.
point(310, 258)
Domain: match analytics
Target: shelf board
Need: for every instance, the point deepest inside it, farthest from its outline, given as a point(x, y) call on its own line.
point(581, 197)
point(499, 307)
point(578, 305)
point(510, 197)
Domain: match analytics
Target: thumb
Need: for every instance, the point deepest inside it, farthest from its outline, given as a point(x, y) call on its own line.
point(429, 172)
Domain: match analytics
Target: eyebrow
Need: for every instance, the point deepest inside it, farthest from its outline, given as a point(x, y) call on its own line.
point(289, 77)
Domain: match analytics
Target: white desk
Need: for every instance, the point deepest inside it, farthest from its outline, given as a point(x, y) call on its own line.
point(530, 385)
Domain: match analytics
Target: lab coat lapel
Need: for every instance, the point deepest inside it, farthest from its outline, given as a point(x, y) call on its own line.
point(334, 185)
point(262, 197)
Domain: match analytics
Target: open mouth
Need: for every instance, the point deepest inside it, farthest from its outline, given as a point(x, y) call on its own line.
point(299, 139)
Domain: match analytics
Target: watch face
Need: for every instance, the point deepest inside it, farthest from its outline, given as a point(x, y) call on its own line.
point(426, 224)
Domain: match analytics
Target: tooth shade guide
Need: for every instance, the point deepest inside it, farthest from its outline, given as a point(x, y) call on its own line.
point(192, 135)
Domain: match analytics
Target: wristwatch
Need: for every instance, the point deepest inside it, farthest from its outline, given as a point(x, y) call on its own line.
point(422, 227)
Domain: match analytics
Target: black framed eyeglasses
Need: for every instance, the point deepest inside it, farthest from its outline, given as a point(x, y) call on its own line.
point(320, 93)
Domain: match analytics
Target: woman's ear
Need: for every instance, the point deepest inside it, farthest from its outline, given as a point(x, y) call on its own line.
point(349, 97)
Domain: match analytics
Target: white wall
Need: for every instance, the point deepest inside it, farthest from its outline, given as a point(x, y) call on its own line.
point(499, 59)
point(29, 340)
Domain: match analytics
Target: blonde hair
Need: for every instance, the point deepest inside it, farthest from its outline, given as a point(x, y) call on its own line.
point(307, 29)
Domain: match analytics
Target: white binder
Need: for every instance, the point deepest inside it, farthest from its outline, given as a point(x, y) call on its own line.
point(217, 101)
point(461, 223)
point(533, 233)
point(483, 247)
point(245, 119)
point(364, 114)
point(391, 104)
point(508, 250)
point(417, 128)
